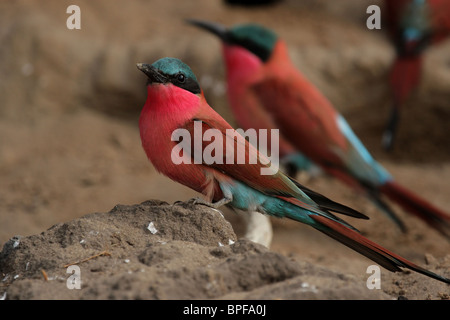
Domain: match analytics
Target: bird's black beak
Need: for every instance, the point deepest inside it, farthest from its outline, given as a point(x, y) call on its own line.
point(215, 28)
point(154, 76)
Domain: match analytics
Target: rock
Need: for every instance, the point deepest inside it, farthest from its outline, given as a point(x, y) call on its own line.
point(193, 253)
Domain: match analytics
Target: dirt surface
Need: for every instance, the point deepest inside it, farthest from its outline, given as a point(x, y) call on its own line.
point(160, 251)
point(70, 147)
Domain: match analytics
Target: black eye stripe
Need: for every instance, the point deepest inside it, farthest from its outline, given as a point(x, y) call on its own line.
point(181, 77)
point(183, 82)
point(180, 80)
point(254, 47)
point(189, 85)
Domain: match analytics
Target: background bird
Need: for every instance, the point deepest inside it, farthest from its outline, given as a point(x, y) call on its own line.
point(265, 90)
point(176, 101)
point(414, 26)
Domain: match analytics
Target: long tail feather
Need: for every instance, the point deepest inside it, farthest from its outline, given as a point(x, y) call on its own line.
point(371, 250)
point(391, 129)
point(375, 197)
point(421, 208)
point(327, 204)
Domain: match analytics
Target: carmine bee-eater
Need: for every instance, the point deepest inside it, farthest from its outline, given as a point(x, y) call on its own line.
point(175, 102)
point(265, 90)
point(414, 25)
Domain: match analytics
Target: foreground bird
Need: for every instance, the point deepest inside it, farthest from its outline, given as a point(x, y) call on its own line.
point(414, 25)
point(176, 105)
point(265, 90)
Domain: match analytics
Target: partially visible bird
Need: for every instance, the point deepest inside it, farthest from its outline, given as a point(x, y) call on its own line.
point(265, 90)
point(176, 102)
point(414, 26)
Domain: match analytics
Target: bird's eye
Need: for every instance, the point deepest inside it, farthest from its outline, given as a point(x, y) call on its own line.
point(181, 77)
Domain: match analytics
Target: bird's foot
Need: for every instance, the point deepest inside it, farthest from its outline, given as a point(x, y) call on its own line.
point(214, 205)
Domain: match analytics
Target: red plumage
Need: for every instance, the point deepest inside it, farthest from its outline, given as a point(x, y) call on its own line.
point(170, 107)
point(370, 249)
point(404, 77)
point(275, 95)
point(424, 210)
point(430, 24)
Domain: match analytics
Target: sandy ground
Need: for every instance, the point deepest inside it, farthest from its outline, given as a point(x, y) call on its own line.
point(69, 146)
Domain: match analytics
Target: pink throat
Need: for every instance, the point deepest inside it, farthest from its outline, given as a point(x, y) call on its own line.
point(168, 105)
point(167, 98)
point(167, 108)
point(241, 64)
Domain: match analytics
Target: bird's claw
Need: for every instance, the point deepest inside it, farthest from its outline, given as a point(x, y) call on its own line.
point(213, 205)
point(200, 201)
point(178, 202)
point(193, 200)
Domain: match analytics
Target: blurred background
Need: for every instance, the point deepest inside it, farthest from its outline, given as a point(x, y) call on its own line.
point(70, 102)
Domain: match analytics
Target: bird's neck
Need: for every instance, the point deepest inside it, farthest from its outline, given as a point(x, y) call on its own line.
point(243, 67)
point(166, 109)
point(280, 58)
point(241, 64)
point(170, 104)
